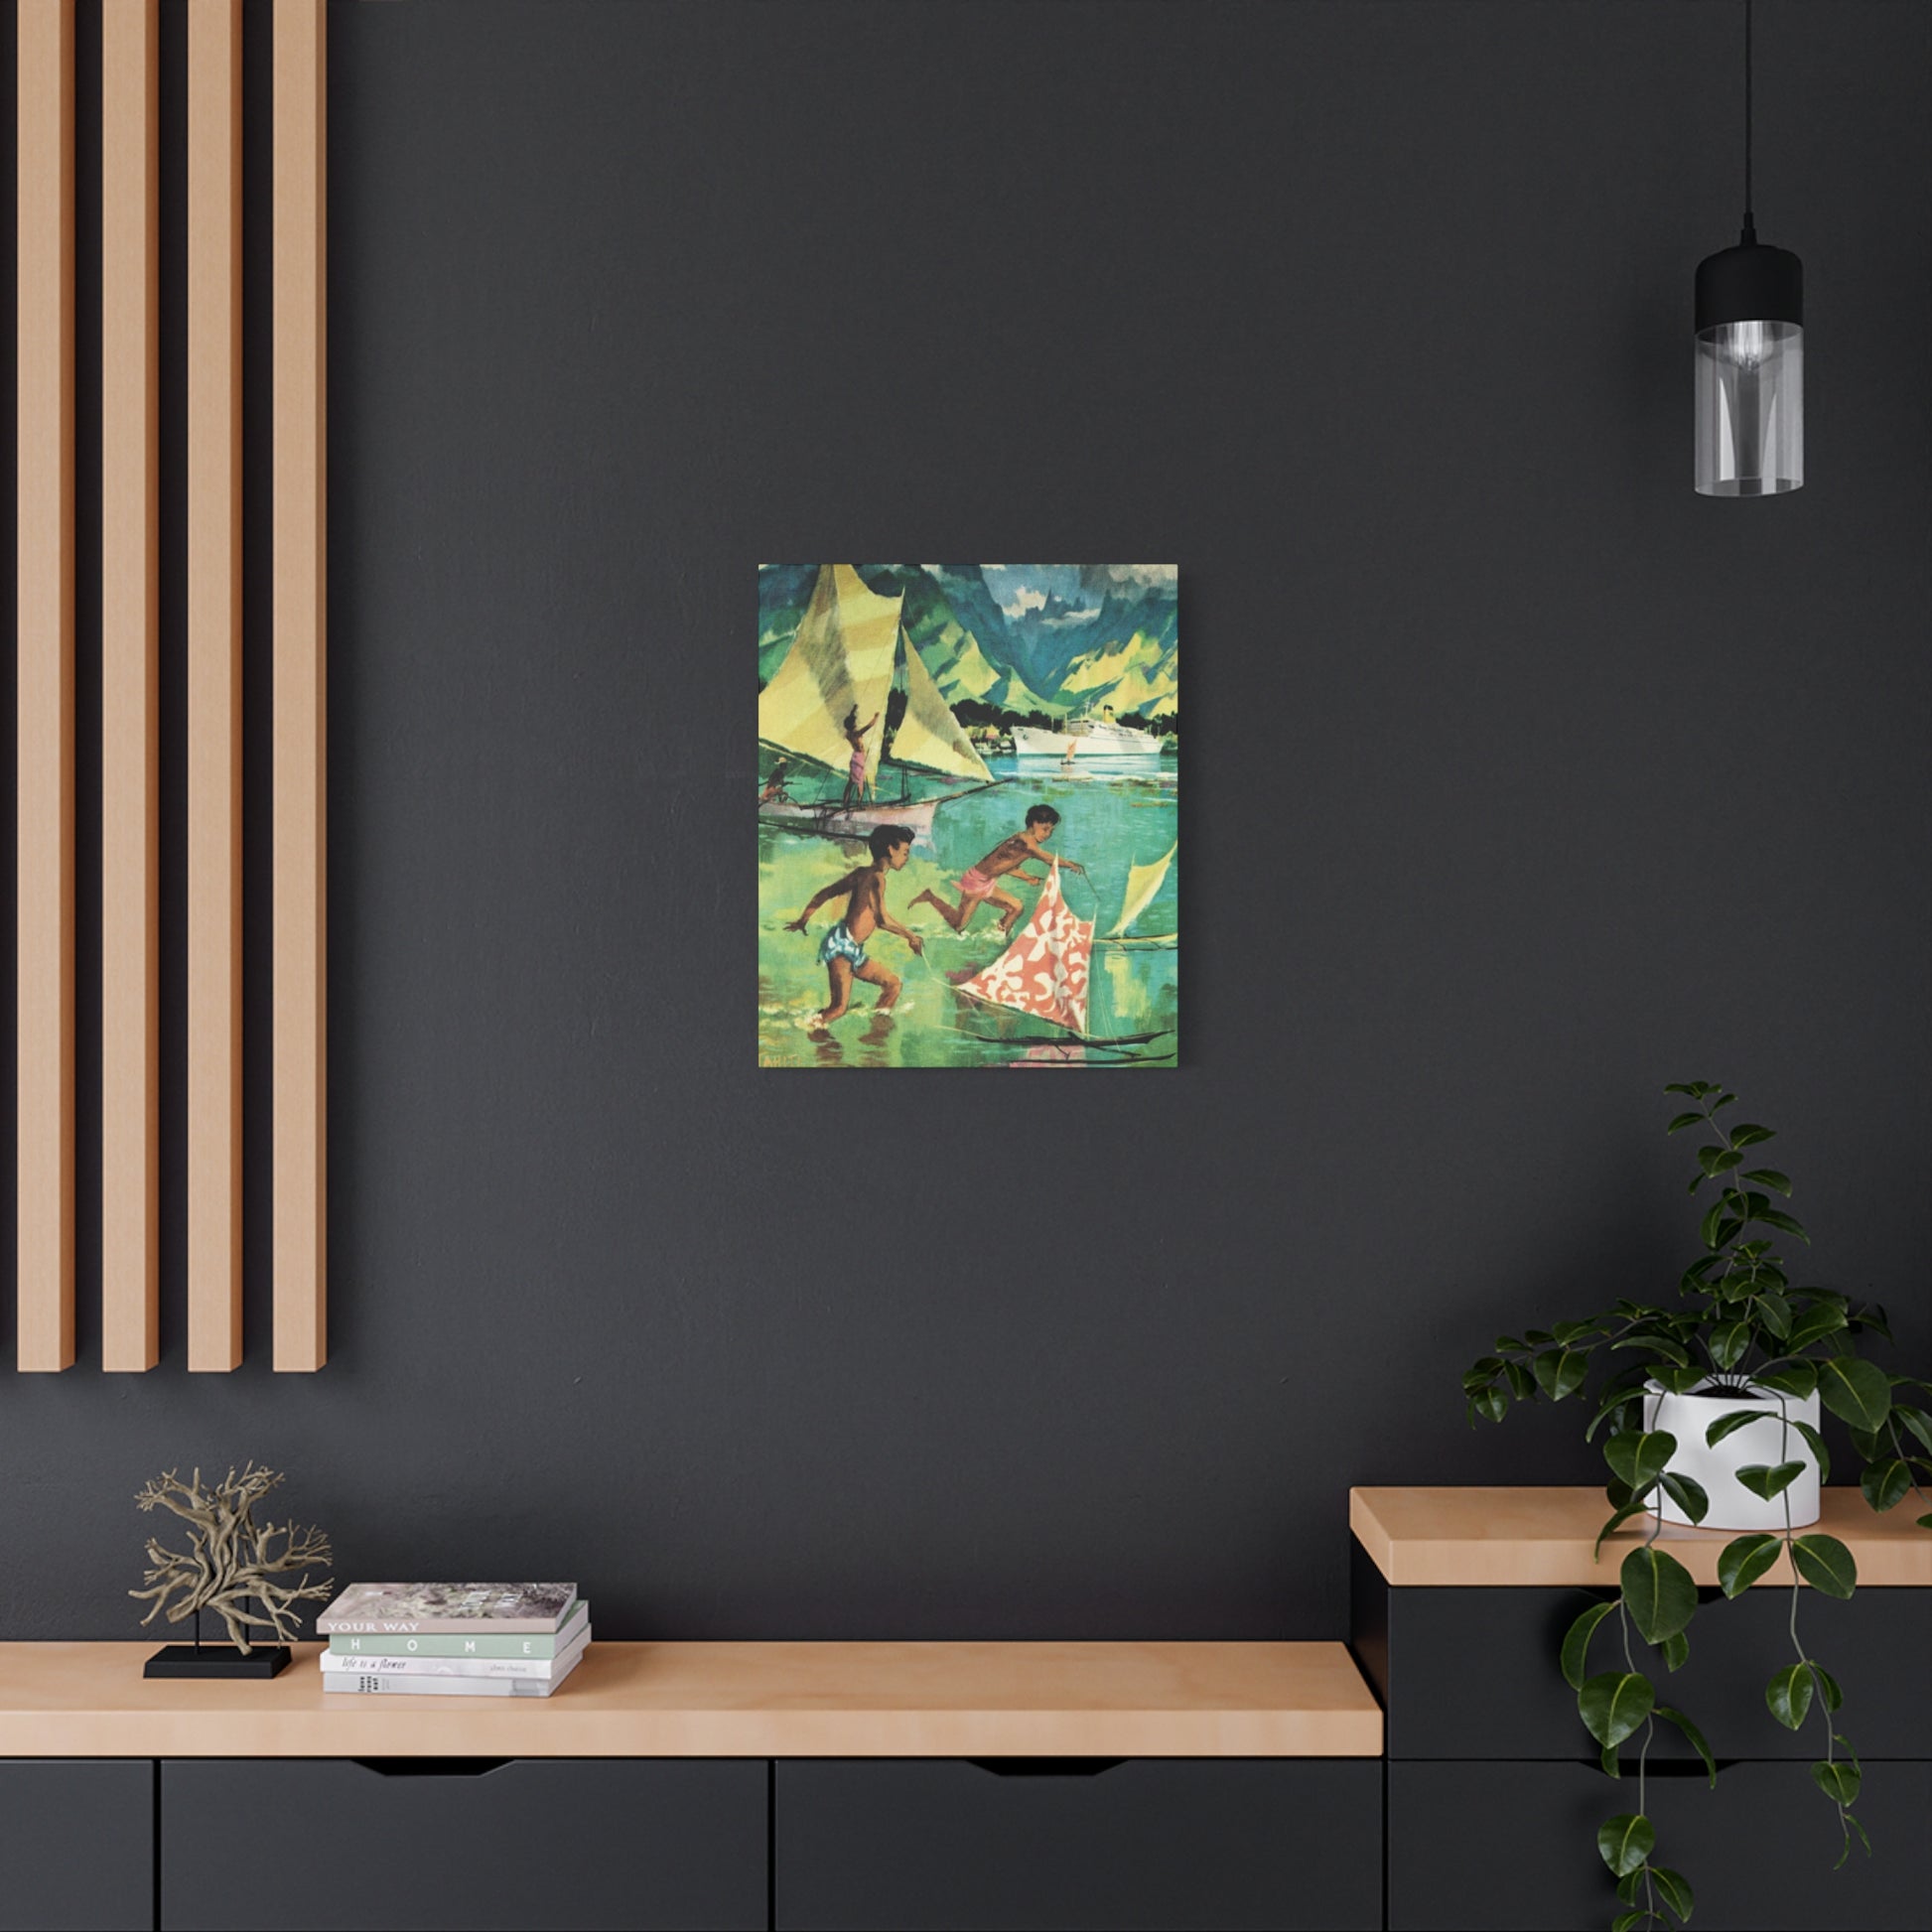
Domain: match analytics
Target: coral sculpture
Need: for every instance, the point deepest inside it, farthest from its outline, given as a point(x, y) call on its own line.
point(230, 1557)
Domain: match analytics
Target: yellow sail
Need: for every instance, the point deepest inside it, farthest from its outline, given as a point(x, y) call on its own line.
point(928, 736)
point(841, 659)
point(1143, 881)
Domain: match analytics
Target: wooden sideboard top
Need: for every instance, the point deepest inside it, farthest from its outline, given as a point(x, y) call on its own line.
point(1464, 1537)
point(726, 1699)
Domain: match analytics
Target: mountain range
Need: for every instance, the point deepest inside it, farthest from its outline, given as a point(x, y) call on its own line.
point(1122, 651)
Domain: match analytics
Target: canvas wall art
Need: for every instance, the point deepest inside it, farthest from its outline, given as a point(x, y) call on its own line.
point(969, 780)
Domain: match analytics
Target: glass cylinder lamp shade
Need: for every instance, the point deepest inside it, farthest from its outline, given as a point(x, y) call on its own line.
point(1751, 372)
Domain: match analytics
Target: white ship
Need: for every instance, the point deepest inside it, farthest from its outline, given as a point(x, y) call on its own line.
point(1086, 737)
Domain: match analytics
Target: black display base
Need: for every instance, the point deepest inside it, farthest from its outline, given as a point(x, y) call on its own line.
point(217, 1660)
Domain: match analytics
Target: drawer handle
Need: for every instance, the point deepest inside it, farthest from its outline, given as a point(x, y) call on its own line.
point(1675, 1767)
point(1045, 1767)
point(431, 1767)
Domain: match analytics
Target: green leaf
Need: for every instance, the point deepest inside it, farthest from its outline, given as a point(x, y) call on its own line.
point(1508, 1345)
point(1640, 1456)
point(1730, 1423)
point(1628, 1888)
point(1688, 1494)
point(1848, 1819)
point(1695, 1736)
point(1621, 1393)
point(1682, 1121)
point(1676, 1889)
point(1727, 1344)
point(1658, 1592)
point(1575, 1644)
point(1607, 1758)
point(1826, 1564)
point(1679, 1381)
point(1774, 1309)
point(1827, 1683)
point(1816, 1443)
point(1822, 1318)
point(1838, 1780)
point(1917, 1420)
point(1479, 1374)
point(1522, 1384)
point(1856, 1392)
point(1677, 1652)
point(1743, 1560)
point(1747, 1132)
point(1798, 1381)
point(1924, 1522)
point(1695, 1088)
point(1626, 1841)
point(1559, 1372)
point(1614, 1704)
point(1492, 1403)
point(1789, 1694)
point(1717, 1160)
point(1886, 1483)
point(1764, 1480)
point(1708, 1228)
point(1629, 1921)
point(1774, 1217)
point(1771, 1178)
point(1623, 1514)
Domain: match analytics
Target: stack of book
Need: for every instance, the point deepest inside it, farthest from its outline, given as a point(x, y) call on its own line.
point(498, 1641)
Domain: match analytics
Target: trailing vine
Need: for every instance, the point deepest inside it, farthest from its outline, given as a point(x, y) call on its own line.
point(1740, 1328)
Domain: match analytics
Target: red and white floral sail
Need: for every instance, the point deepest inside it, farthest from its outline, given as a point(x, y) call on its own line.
point(1044, 971)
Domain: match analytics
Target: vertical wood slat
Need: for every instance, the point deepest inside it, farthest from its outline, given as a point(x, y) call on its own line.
point(43, 880)
point(301, 674)
point(129, 687)
point(214, 684)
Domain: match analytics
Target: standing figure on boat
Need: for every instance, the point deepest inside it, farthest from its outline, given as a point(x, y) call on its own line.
point(855, 736)
point(842, 953)
point(977, 884)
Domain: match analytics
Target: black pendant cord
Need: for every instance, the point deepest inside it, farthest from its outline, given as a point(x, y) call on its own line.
point(1750, 220)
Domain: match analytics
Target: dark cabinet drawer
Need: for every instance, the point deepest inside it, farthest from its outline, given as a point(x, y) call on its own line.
point(1032, 1844)
point(407, 1843)
point(77, 1844)
point(1472, 1673)
point(1514, 1845)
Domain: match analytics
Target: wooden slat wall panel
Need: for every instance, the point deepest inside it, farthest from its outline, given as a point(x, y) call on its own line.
point(43, 880)
point(129, 693)
point(214, 684)
point(300, 687)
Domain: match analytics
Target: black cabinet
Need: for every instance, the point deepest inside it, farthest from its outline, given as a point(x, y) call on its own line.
point(536, 1842)
point(1472, 1673)
point(1513, 1845)
point(1044, 1844)
point(1494, 1794)
point(77, 1844)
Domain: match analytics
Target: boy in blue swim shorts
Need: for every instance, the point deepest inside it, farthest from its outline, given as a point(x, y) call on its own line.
point(842, 953)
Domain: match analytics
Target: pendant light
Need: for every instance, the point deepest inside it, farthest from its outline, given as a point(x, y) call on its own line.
point(1750, 356)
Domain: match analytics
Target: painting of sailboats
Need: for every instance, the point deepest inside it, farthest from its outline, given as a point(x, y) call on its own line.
point(968, 816)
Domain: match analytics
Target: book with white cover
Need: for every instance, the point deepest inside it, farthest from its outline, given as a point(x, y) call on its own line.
point(411, 1684)
point(544, 1669)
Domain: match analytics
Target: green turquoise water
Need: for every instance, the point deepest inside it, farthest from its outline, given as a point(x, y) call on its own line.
point(1111, 817)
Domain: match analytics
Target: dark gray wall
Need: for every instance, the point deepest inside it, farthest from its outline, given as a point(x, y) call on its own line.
point(1521, 781)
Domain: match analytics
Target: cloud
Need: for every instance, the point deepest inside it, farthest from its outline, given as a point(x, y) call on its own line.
point(1024, 601)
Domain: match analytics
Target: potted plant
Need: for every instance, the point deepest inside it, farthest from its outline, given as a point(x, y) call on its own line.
point(1711, 1409)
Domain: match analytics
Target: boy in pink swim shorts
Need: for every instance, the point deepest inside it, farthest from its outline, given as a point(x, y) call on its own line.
point(979, 884)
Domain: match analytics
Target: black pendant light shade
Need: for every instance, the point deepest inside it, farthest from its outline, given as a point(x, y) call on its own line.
point(1750, 356)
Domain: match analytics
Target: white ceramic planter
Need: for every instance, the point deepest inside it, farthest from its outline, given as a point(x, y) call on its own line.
point(1733, 1507)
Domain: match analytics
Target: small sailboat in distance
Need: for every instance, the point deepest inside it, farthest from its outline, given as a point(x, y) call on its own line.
point(850, 651)
point(1143, 883)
